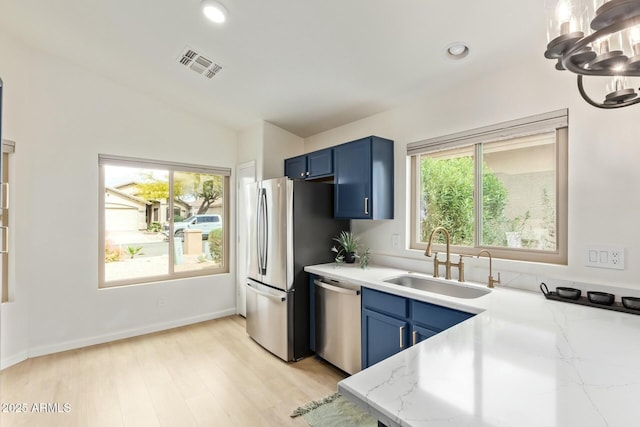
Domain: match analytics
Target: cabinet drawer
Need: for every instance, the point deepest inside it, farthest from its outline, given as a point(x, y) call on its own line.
point(436, 316)
point(385, 303)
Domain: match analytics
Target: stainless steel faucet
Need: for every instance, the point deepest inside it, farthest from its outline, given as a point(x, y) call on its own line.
point(448, 264)
point(490, 282)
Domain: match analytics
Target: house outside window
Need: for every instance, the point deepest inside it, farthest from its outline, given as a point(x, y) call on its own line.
point(139, 245)
point(501, 187)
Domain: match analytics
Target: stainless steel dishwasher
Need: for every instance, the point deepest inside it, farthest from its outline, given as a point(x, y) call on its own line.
point(338, 332)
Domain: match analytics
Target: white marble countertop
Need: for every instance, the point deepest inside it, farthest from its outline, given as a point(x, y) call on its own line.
point(521, 361)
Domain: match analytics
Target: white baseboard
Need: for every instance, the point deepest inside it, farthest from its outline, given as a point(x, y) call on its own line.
point(101, 339)
point(13, 360)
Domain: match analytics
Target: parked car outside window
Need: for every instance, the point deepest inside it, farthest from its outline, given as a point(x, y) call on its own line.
point(203, 222)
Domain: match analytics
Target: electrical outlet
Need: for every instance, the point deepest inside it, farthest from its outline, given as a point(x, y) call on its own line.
point(395, 241)
point(605, 257)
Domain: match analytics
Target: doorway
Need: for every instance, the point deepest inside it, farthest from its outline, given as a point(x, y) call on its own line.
point(246, 175)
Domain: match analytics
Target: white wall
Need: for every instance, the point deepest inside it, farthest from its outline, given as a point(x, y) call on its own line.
point(61, 118)
point(268, 145)
point(250, 146)
point(278, 145)
point(603, 166)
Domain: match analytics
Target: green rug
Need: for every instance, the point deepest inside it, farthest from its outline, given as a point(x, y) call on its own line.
point(334, 411)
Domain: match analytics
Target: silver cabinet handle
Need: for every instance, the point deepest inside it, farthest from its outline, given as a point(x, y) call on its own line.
point(401, 334)
point(333, 288)
point(366, 206)
point(302, 174)
point(307, 173)
point(5, 240)
point(415, 336)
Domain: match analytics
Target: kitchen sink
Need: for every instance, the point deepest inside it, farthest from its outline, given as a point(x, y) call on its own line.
point(451, 289)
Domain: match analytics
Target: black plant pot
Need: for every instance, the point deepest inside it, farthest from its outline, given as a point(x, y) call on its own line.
point(350, 257)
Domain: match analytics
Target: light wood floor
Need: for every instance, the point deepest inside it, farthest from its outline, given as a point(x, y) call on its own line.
point(208, 374)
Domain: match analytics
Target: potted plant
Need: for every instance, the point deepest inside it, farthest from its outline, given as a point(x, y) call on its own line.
point(349, 247)
point(514, 230)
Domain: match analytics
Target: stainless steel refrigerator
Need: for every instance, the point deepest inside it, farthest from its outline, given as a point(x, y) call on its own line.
point(291, 225)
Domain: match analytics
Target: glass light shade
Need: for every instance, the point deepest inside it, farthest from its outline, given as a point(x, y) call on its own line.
point(610, 43)
point(617, 83)
point(634, 40)
point(601, 45)
point(566, 16)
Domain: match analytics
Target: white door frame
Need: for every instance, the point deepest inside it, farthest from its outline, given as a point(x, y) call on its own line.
point(246, 172)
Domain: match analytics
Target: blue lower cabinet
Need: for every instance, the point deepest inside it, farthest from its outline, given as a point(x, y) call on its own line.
point(421, 333)
point(383, 336)
point(391, 323)
point(435, 316)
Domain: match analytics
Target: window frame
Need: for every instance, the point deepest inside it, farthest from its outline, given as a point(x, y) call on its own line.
point(172, 168)
point(477, 138)
point(8, 148)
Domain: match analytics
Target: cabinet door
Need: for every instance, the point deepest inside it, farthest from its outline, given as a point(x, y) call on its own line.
point(353, 180)
point(320, 163)
point(296, 167)
point(382, 336)
point(436, 317)
point(420, 333)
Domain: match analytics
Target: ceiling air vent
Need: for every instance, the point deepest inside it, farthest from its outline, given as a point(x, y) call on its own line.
point(198, 63)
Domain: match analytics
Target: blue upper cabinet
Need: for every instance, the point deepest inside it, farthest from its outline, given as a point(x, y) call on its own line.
point(313, 165)
point(296, 167)
point(363, 176)
point(320, 163)
point(362, 172)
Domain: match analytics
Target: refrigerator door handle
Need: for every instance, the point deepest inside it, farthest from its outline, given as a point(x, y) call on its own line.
point(267, 295)
point(259, 229)
point(265, 239)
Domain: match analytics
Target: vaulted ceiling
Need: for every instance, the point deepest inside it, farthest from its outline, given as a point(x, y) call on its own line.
point(306, 66)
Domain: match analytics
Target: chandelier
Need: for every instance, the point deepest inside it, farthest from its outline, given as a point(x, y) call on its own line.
point(597, 38)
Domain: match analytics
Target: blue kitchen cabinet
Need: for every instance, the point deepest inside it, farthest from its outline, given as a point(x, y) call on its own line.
point(320, 163)
point(363, 178)
point(436, 317)
point(391, 323)
point(421, 333)
point(317, 164)
point(296, 167)
point(382, 336)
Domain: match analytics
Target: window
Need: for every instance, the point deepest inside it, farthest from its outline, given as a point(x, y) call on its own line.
point(140, 242)
point(8, 147)
point(502, 187)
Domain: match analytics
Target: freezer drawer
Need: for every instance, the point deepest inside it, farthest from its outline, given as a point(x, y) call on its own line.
point(267, 314)
point(337, 331)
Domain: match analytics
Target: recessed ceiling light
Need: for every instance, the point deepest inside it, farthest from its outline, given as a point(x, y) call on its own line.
point(457, 50)
point(214, 10)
